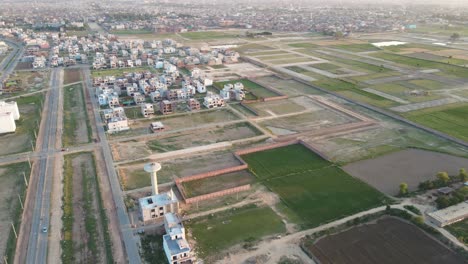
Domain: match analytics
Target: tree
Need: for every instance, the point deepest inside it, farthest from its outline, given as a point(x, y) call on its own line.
point(419, 220)
point(463, 175)
point(442, 202)
point(403, 188)
point(443, 177)
point(338, 35)
point(454, 36)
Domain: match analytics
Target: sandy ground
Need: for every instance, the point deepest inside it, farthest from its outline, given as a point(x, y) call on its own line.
point(411, 166)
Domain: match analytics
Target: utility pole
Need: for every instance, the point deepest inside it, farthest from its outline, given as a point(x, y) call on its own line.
point(25, 180)
point(14, 230)
point(32, 146)
point(29, 161)
point(21, 202)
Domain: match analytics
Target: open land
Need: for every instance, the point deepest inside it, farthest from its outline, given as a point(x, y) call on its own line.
point(390, 240)
point(307, 185)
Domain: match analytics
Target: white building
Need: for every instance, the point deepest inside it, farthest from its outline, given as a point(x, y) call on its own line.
point(117, 124)
point(175, 244)
point(157, 205)
point(213, 101)
point(147, 110)
point(449, 215)
point(12, 107)
point(7, 123)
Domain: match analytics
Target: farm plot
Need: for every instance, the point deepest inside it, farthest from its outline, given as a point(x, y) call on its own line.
point(203, 35)
point(357, 47)
point(30, 108)
point(409, 94)
point(76, 125)
point(255, 90)
point(85, 232)
point(387, 241)
point(220, 231)
point(134, 177)
point(312, 190)
point(450, 119)
point(447, 69)
point(217, 183)
point(11, 189)
point(414, 166)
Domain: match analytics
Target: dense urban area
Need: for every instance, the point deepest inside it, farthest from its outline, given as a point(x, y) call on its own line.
point(288, 132)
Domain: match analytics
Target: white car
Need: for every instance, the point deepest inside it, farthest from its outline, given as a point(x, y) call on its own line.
point(44, 229)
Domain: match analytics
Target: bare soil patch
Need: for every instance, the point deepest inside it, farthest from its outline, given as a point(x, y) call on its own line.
point(390, 240)
point(71, 76)
point(412, 166)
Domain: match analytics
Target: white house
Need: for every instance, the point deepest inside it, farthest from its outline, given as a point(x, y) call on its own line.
point(213, 101)
point(117, 124)
point(147, 110)
point(12, 107)
point(175, 244)
point(156, 206)
point(7, 123)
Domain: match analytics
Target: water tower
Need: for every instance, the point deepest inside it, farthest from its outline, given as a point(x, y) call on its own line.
point(153, 168)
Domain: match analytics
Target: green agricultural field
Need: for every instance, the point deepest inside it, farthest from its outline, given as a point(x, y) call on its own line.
point(356, 47)
point(254, 88)
point(313, 191)
point(279, 57)
point(447, 69)
point(296, 69)
point(222, 230)
point(353, 91)
point(325, 66)
point(427, 84)
point(398, 48)
point(460, 231)
point(202, 35)
point(303, 45)
point(450, 119)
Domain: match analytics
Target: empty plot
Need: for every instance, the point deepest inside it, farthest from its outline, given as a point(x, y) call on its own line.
point(356, 47)
point(414, 166)
point(256, 89)
point(222, 230)
point(287, 86)
point(388, 241)
point(278, 107)
point(217, 183)
point(459, 230)
point(312, 190)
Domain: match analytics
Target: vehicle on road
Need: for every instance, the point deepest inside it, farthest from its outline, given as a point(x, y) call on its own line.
point(44, 229)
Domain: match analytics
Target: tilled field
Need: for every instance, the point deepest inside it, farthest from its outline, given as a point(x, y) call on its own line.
point(390, 241)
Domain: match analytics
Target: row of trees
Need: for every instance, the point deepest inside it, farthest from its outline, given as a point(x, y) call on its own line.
point(442, 180)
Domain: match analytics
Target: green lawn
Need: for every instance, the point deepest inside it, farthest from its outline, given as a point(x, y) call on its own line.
point(325, 66)
point(254, 88)
point(449, 119)
point(313, 190)
point(459, 230)
point(220, 231)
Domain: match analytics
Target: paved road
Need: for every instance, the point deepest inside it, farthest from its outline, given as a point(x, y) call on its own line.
point(9, 63)
point(129, 239)
point(38, 240)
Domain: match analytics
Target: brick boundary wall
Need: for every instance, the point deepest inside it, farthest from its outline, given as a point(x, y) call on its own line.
point(244, 166)
point(217, 194)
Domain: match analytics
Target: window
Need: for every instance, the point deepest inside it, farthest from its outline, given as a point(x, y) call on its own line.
point(153, 210)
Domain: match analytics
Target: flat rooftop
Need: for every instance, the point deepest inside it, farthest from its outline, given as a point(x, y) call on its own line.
point(177, 246)
point(451, 213)
point(161, 199)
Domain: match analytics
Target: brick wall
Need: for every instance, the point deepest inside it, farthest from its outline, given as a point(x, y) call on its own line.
point(217, 194)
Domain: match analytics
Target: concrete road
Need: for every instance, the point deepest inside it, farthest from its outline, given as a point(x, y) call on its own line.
point(129, 239)
point(38, 238)
point(9, 63)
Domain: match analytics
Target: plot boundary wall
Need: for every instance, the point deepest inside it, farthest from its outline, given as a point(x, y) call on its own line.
point(243, 166)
